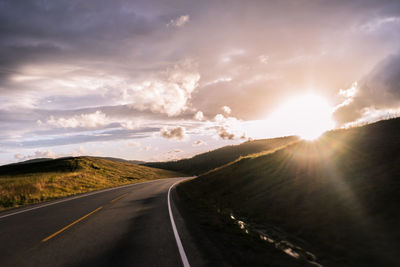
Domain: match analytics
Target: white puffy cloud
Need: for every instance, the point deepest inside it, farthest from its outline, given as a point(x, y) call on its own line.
point(228, 128)
point(130, 125)
point(350, 92)
point(347, 95)
point(219, 118)
point(177, 133)
point(168, 94)
point(227, 110)
point(199, 116)
point(179, 21)
point(90, 120)
point(80, 151)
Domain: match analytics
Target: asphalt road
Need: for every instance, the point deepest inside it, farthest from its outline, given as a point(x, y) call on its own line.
point(128, 226)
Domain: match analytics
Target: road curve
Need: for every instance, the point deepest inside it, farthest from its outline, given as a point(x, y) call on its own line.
point(127, 226)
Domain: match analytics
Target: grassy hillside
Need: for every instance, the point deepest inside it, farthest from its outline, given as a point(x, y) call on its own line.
point(210, 160)
point(43, 180)
point(337, 197)
point(123, 160)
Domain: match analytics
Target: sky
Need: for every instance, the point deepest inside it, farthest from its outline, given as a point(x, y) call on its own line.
point(161, 80)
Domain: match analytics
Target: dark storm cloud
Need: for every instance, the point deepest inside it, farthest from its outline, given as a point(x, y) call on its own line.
point(120, 36)
point(383, 83)
point(43, 31)
point(380, 89)
point(71, 21)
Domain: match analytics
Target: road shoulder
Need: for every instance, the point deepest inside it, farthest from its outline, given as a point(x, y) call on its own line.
point(212, 240)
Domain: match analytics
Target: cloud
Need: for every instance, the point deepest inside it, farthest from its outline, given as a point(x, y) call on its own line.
point(179, 22)
point(91, 120)
point(348, 97)
point(228, 128)
point(219, 118)
point(243, 136)
point(130, 125)
point(218, 80)
point(116, 57)
point(37, 154)
point(263, 59)
point(231, 54)
point(224, 134)
point(199, 116)
point(134, 144)
point(81, 151)
point(199, 143)
point(173, 154)
point(227, 110)
point(174, 151)
point(169, 94)
point(376, 24)
point(177, 133)
point(350, 92)
point(376, 92)
point(371, 114)
point(78, 138)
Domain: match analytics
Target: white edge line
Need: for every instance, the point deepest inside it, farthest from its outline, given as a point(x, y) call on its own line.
point(76, 197)
point(177, 238)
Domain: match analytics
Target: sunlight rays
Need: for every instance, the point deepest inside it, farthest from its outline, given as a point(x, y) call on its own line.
point(307, 116)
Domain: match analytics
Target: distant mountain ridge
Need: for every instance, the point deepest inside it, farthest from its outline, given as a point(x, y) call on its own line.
point(32, 161)
point(210, 160)
point(50, 159)
point(123, 160)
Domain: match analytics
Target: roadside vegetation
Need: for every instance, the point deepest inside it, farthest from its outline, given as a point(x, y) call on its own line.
point(36, 181)
point(337, 197)
point(210, 160)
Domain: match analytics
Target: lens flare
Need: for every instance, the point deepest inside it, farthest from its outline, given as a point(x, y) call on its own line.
point(307, 116)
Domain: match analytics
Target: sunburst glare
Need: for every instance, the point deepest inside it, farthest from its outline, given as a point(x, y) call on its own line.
point(307, 116)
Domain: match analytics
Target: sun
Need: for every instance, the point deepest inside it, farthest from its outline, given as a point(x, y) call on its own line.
point(307, 116)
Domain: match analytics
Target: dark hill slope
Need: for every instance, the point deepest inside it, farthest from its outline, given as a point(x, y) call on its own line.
point(339, 197)
point(210, 160)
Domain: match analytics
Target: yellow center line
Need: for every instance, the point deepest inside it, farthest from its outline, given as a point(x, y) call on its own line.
point(115, 199)
point(68, 226)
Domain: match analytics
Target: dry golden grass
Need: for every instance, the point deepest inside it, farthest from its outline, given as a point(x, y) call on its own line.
point(36, 182)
